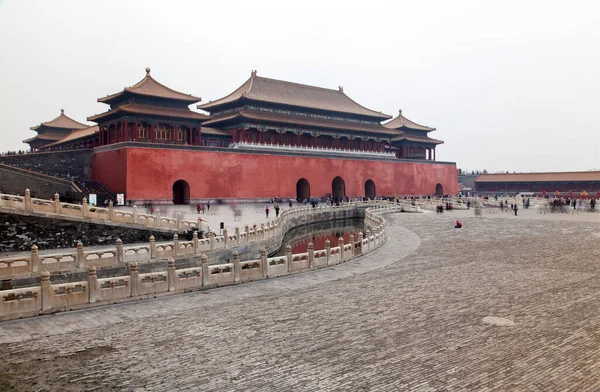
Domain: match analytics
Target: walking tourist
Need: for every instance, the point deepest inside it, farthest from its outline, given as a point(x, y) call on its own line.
point(267, 212)
point(276, 210)
point(516, 208)
point(208, 205)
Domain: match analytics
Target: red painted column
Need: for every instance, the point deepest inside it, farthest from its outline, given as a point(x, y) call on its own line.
point(189, 138)
point(314, 140)
point(199, 136)
point(281, 138)
point(298, 140)
point(152, 132)
point(135, 131)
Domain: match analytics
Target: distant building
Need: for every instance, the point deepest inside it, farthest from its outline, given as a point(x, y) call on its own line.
point(548, 183)
point(52, 131)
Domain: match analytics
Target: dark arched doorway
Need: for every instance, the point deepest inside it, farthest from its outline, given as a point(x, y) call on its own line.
point(181, 192)
point(338, 189)
point(439, 190)
point(302, 189)
point(370, 189)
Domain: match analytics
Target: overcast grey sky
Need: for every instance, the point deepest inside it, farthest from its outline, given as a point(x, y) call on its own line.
point(510, 85)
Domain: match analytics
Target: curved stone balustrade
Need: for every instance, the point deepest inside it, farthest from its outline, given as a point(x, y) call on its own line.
point(48, 297)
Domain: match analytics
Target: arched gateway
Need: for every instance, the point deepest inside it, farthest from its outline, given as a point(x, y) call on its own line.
point(370, 189)
point(181, 192)
point(302, 189)
point(338, 188)
point(439, 190)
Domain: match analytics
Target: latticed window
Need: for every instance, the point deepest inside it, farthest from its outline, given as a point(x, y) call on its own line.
point(161, 132)
point(142, 131)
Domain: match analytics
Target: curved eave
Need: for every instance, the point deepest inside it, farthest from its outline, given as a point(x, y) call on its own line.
point(110, 99)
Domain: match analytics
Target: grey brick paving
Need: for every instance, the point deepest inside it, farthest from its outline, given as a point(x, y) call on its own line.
point(394, 320)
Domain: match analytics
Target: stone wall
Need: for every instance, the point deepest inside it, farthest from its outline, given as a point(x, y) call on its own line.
point(14, 180)
point(68, 164)
point(20, 232)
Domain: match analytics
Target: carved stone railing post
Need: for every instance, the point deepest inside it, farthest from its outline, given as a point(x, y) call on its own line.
point(92, 285)
point(205, 270)
point(120, 252)
point(236, 266)
point(262, 230)
point(27, 199)
point(134, 279)
point(85, 208)
point(35, 259)
point(360, 241)
point(57, 206)
point(80, 258)
point(195, 242)
point(111, 211)
point(175, 245)
point(288, 255)
point(311, 255)
point(136, 216)
point(157, 218)
point(178, 220)
point(211, 240)
point(368, 234)
point(46, 290)
point(264, 263)
point(328, 251)
point(171, 274)
point(152, 248)
point(341, 245)
point(353, 245)
point(237, 235)
point(225, 238)
point(247, 231)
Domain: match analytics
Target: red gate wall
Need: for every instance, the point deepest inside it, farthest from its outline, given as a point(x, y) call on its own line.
point(149, 173)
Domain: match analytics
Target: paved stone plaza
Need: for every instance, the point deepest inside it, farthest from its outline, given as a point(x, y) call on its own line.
point(408, 316)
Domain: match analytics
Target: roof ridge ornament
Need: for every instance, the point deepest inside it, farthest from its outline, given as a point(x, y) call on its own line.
point(341, 88)
point(400, 112)
point(147, 71)
point(62, 111)
point(253, 73)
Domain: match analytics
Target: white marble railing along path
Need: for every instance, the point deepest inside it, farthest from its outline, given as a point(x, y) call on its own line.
point(48, 297)
point(73, 260)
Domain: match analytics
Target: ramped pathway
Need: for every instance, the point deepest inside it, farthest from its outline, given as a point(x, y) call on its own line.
point(401, 242)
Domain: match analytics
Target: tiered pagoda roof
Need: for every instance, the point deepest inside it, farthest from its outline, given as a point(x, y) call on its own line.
point(55, 129)
point(128, 102)
point(279, 92)
point(61, 122)
point(410, 130)
point(151, 88)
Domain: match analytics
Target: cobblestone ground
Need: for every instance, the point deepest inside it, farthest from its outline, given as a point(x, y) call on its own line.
point(414, 325)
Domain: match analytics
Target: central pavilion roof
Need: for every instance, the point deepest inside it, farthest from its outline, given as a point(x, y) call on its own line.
point(402, 122)
point(60, 122)
point(294, 94)
point(151, 88)
point(295, 120)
